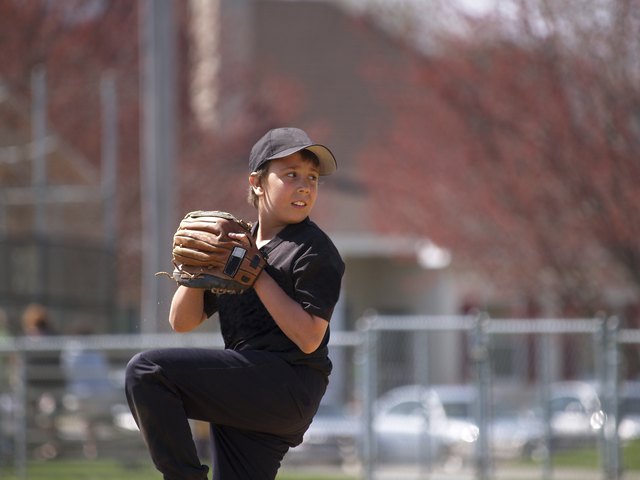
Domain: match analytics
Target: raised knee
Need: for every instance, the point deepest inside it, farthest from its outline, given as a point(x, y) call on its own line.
point(138, 367)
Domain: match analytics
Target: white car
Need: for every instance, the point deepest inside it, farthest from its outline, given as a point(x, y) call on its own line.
point(629, 411)
point(513, 430)
point(576, 414)
point(332, 439)
point(411, 425)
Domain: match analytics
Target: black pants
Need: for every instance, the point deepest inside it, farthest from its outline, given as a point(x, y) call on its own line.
point(258, 406)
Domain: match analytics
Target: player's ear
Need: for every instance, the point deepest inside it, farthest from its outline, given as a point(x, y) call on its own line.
point(256, 184)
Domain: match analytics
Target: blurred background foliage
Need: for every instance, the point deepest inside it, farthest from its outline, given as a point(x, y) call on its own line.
point(511, 138)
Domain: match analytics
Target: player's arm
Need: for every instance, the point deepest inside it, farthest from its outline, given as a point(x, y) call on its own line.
point(304, 329)
point(187, 309)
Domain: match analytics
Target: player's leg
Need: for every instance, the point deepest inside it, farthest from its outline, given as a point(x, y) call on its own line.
point(252, 391)
point(240, 454)
point(156, 405)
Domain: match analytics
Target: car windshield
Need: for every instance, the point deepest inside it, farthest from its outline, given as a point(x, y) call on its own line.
point(407, 408)
point(630, 406)
point(457, 409)
point(566, 404)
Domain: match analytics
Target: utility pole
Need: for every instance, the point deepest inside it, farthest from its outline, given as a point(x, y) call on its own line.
point(158, 148)
point(39, 175)
point(109, 154)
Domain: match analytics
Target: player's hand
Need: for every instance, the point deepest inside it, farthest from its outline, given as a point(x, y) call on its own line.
point(241, 237)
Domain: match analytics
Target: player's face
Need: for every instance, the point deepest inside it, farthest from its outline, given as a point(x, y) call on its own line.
point(289, 189)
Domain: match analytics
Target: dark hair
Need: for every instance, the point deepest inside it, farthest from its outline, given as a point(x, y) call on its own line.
point(252, 198)
point(35, 320)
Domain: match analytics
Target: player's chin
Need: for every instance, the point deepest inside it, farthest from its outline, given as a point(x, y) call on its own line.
point(297, 215)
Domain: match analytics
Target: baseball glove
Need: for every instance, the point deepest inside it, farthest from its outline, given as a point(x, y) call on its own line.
point(204, 256)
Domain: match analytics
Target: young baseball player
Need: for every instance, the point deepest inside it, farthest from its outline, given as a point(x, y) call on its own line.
point(261, 392)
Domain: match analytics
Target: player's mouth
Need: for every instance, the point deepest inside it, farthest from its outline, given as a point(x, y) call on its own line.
point(299, 204)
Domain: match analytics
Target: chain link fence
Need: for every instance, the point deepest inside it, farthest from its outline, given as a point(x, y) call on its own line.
point(42, 263)
point(62, 399)
point(410, 397)
point(474, 397)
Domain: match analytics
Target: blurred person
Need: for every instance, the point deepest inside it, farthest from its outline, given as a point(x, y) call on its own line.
point(36, 321)
point(42, 375)
point(7, 361)
point(201, 438)
point(43, 364)
point(89, 393)
point(4, 335)
point(4, 324)
point(6, 398)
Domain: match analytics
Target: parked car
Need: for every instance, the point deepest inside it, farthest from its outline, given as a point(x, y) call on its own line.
point(629, 411)
point(516, 433)
point(576, 414)
point(332, 439)
point(411, 425)
point(513, 430)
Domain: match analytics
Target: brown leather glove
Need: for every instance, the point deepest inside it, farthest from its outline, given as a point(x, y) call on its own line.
point(206, 257)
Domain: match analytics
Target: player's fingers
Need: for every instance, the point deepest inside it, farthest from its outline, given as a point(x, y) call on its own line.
point(241, 237)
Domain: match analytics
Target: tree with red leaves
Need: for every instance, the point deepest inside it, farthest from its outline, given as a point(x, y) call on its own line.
point(77, 42)
point(520, 152)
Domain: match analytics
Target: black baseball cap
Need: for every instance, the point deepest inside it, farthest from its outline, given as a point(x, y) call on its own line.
point(280, 142)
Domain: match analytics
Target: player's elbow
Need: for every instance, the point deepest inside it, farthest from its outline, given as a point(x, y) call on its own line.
point(179, 327)
point(308, 347)
point(183, 323)
point(312, 339)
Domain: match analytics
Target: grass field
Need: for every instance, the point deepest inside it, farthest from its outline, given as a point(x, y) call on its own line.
point(112, 470)
point(590, 459)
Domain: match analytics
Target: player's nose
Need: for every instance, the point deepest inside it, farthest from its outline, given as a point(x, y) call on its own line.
point(304, 185)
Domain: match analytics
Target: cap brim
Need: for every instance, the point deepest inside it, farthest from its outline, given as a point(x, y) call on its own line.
point(328, 163)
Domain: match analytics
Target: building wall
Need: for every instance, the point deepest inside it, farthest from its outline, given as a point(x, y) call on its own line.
point(396, 286)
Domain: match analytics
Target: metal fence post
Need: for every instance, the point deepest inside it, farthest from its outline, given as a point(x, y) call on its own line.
point(600, 373)
point(612, 465)
point(369, 388)
point(426, 445)
point(20, 412)
point(605, 342)
point(482, 369)
point(546, 346)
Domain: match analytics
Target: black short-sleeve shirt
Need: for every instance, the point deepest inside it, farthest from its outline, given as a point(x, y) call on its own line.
point(303, 260)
